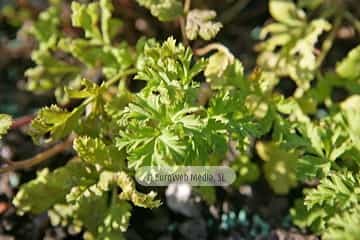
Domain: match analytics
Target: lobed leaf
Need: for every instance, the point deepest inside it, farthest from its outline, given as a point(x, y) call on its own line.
point(50, 188)
point(199, 23)
point(56, 122)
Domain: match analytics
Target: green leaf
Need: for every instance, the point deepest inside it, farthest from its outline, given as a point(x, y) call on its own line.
point(5, 124)
point(112, 59)
point(289, 51)
point(88, 89)
point(95, 151)
point(117, 217)
point(51, 74)
point(349, 67)
point(351, 112)
point(285, 11)
point(279, 166)
point(45, 29)
point(91, 207)
point(199, 23)
point(167, 65)
point(50, 188)
point(109, 26)
point(339, 190)
point(344, 226)
point(99, 212)
point(310, 167)
point(87, 17)
point(55, 121)
point(164, 10)
point(224, 70)
point(303, 217)
point(157, 130)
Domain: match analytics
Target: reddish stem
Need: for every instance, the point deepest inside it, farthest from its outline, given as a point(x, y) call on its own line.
point(19, 122)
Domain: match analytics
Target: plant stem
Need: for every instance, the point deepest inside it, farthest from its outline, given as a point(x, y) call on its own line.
point(39, 157)
point(214, 46)
point(187, 5)
point(114, 195)
point(183, 32)
point(19, 122)
point(349, 16)
point(328, 42)
point(118, 76)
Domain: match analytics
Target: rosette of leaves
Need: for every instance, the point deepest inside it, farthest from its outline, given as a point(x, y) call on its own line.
point(164, 123)
point(96, 181)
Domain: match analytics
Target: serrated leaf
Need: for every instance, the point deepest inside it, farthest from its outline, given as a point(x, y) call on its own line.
point(100, 213)
point(303, 218)
point(5, 124)
point(344, 226)
point(339, 190)
point(88, 16)
point(50, 188)
point(168, 64)
point(55, 121)
point(62, 215)
point(156, 131)
point(310, 167)
point(199, 23)
point(95, 151)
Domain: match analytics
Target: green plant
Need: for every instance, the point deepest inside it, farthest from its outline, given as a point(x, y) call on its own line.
point(171, 121)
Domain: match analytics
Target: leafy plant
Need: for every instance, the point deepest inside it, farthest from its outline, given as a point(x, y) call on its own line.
point(171, 121)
